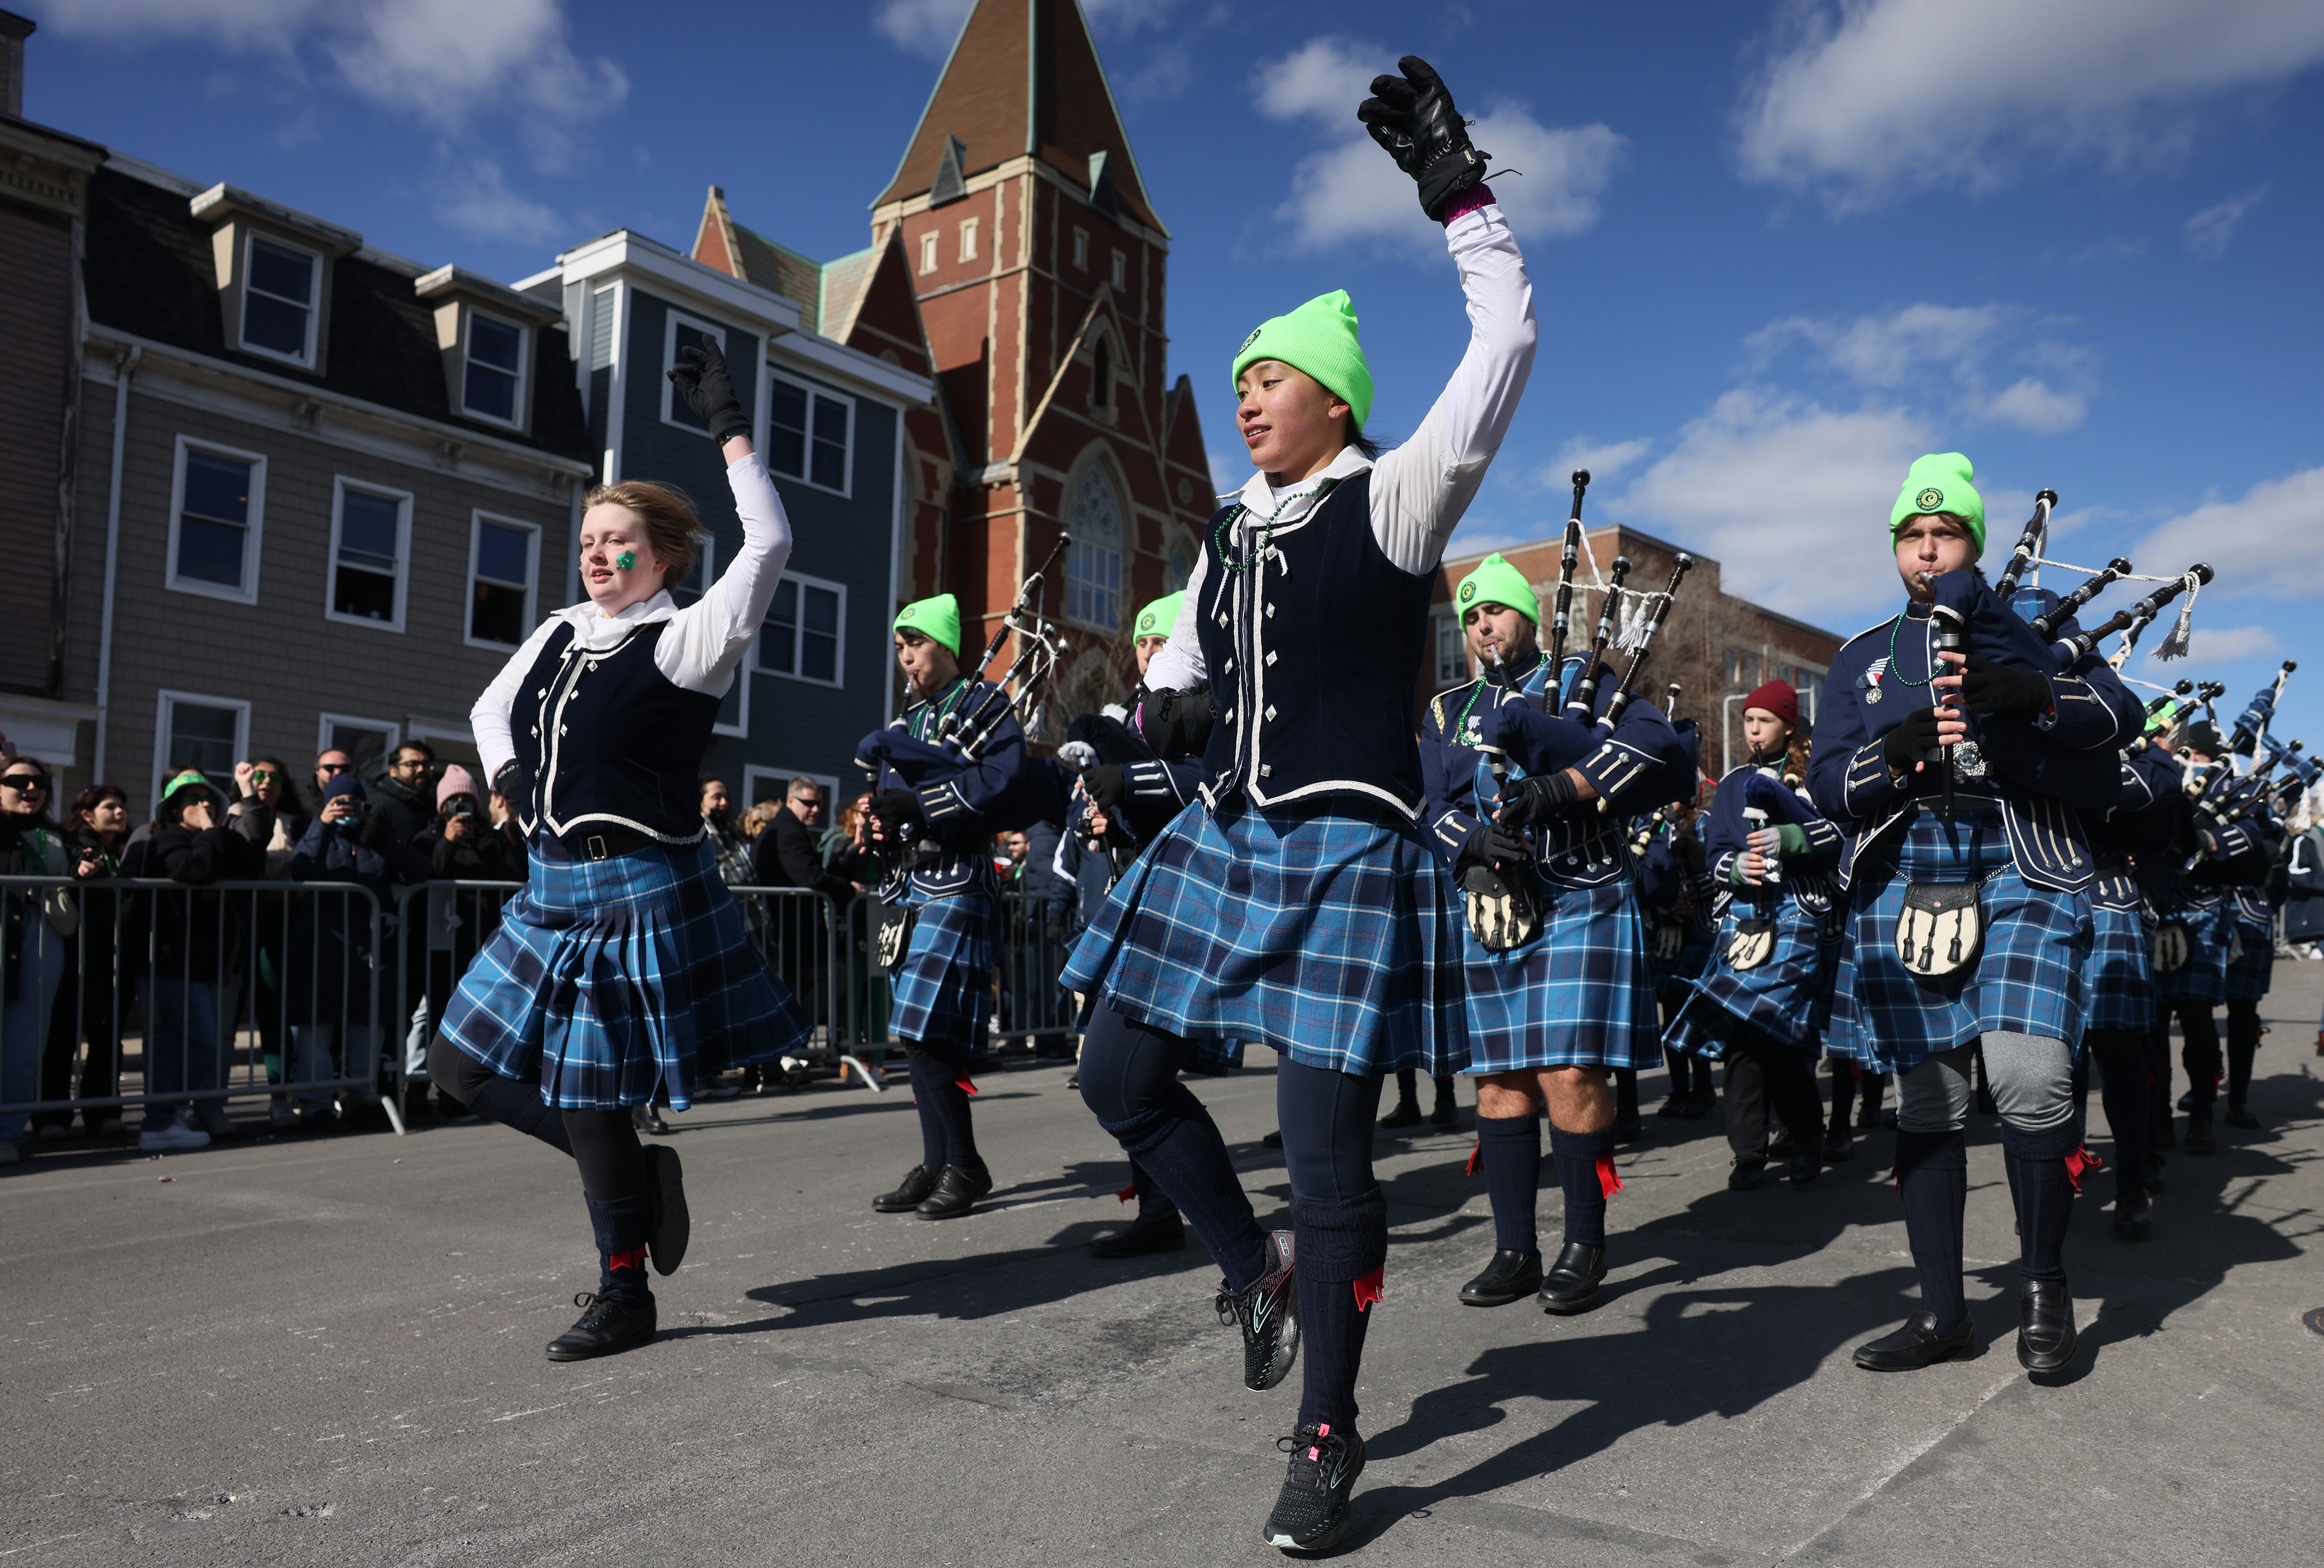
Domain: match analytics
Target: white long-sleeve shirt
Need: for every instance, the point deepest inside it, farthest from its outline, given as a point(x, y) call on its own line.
point(1420, 490)
point(704, 642)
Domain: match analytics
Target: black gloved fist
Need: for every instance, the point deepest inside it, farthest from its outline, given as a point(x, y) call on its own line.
point(1496, 845)
point(372, 832)
point(1178, 724)
point(1990, 687)
point(1107, 785)
point(510, 784)
point(702, 380)
point(897, 816)
point(1542, 798)
point(1910, 743)
point(1055, 931)
point(1412, 115)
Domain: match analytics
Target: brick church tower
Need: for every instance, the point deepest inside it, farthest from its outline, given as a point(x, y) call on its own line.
point(1041, 272)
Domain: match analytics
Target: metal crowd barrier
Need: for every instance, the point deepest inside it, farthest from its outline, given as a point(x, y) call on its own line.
point(120, 991)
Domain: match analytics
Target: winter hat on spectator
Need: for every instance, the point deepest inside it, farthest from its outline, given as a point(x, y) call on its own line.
point(937, 619)
point(457, 780)
point(1496, 582)
point(1777, 698)
point(341, 784)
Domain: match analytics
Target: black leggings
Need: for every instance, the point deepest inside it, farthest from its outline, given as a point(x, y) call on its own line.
point(603, 1143)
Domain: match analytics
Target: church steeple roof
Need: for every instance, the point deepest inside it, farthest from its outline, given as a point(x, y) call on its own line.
point(1023, 79)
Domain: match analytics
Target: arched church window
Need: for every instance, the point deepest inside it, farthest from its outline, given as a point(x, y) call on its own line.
point(1093, 564)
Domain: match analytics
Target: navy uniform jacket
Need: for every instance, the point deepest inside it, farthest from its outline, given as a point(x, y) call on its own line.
point(2150, 828)
point(965, 803)
point(2241, 844)
point(2041, 768)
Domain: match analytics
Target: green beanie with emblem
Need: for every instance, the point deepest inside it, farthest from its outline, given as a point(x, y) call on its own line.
point(1156, 619)
point(1940, 482)
point(1495, 582)
point(1319, 338)
point(936, 619)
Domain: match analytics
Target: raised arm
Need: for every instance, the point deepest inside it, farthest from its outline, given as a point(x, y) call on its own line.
point(707, 640)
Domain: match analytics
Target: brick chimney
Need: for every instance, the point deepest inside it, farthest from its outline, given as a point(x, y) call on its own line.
point(13, 30)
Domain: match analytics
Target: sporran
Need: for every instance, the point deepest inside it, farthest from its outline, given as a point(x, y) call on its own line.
point(1940, 930)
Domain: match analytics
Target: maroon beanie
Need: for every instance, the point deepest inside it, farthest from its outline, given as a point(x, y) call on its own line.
point(1777, 698)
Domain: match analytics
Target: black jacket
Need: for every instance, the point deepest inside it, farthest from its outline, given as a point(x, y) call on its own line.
point(785, 857)
point(407, 815)
point(196, 936)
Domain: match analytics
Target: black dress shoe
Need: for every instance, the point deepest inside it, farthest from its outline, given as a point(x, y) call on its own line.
point(1628, 1128)
point(910, 1192)
point(2187, 1101)
point(1511, 1275)
point(1273, 1140)
point(2134, 1215)
point(1162, 1231)
point(608, 1324)
point(1837, 1145)
point(1918, 1344)
point(672, 1224)
point(956, 1191)
point(1700, 1106)
point(2046, 1340)
point(1746, 1175)
point(1676, 1106)
point(1447, 1114)
point(1406, 1114)
point(1804, 1166)
point(1571, 1285)
point(2237, 1116)
point(2199, 1135)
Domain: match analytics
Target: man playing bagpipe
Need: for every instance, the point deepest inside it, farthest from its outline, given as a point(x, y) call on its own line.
point(1952, 749)
point(1554, 957)
point(950, 771)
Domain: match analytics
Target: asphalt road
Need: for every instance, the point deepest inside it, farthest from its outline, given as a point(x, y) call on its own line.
point(330, 1351)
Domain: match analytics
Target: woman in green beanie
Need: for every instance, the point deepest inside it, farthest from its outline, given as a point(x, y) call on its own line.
point(1298, 903)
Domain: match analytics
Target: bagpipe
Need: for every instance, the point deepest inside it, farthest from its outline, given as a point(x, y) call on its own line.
point(2252, 724)
point(1973, 619)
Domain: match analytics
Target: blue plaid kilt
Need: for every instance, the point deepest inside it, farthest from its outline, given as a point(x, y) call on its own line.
point(1331, 937)
point(607, 977)
point(2249, 973)
point(943, 993)
point(1789, 996)
point(1579, 994)
point(2027, 979)
point(2121, 986)
point(2202, 980)
point(1673, 978)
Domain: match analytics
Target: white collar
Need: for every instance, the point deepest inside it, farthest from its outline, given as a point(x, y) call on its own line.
point(1258, 495)
point(660, 607)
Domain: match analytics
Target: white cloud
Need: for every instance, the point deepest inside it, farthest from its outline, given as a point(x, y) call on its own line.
point(1865, 100)
point(2213, 645)
point(238, 23)
point(1941, 349)
point(1603, 459)
point(2034, 405)
point(923, 26)
point(1548, 180)
point(478, 201)
point(2211, 231)
point(2269, 544)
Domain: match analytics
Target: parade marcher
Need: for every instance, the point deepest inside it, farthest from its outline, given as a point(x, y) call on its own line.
point(623, 969)
point(932, 822)
point(2249, 906)
point(1954, 768)
point(1762, 1001)
point(1677, 894)
point(2194, 941)
point(1299, 904)
point(1549, 1009)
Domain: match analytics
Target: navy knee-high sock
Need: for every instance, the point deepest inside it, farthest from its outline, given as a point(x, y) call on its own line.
point(945, 1126)
point(1577, 1155)
point(1510, 1148)
point(1843, 1096)
point(1406, 1089)
point(1932, 1177)
point(2123, 1089)
point(1151, 1199)
point(2045, 1193)
point(924, 1102)
point(620, 1225)
point(1179, 1147)
point(1340, 1248)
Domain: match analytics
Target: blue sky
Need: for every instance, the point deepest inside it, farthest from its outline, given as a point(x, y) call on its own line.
point(1778, 249)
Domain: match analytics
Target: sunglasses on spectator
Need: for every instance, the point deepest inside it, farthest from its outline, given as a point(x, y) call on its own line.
point(334, 769)
point(25, 783)
point(261, 776)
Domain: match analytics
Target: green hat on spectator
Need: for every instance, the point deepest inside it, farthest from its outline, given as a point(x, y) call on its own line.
point(1156, 619)
point(936, 619)
point(1319, 338)
point(1940, 482)
point(191, 779)
point(1495, 582)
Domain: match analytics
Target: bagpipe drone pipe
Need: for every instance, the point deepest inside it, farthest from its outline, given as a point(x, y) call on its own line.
point(1029, 788)
point(2252, 724)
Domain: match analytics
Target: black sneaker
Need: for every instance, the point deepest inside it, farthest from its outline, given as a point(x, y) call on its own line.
point(609, 1324)
point(1312, 1514)
point(1268, 1313)
point(910, 1192)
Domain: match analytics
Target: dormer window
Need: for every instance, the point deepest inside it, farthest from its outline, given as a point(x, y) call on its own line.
point(491, 384)
point(282, 284)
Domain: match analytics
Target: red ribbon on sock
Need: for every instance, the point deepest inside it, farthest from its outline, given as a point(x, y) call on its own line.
point(1368, 1288)
point(1128, 1193)
point(963, 1085)
point(1476, 1159)
point(635, 1258)
point(2080, 1161)
point(1609, 1181)
point(1896, 1178)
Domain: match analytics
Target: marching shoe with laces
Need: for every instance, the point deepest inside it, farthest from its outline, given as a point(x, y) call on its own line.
point(673, 1223)
point(910, 1192)
point(609, 1323)
point(2198, 1134)
point(1406, 1114)
point(1837, 1145)
point(1747, 1175)
point(1447, 1114)
point(1159, 1231)
point(1312, 1513)
point(2134, 1215)
point(956, 1191)
point(2046, 1339)
point(1267, 1310)
point(1918, 1344)
point(1509, 1276)
point(1571, 1285)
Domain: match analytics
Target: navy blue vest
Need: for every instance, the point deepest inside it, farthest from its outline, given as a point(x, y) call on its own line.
point(606, 738)
point(1313, 650)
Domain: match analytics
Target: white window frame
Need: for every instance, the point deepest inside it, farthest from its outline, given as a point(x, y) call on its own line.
point(754, 771)
point(165, 700)
point(247, 594)
point(929, 242)
point(477, 521)
point(340, 485)
point(968, 227)
point(813, 391)
point(323, 723)
point(1449, 617)
point(1080, 249)
point(840, 664)
point(250, 239)
point(523, 368)
point(670, 322)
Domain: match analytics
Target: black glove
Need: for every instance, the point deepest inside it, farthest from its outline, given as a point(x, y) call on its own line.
point(1178, 724)
point(900, 816)
point(1988, 688)
point(1495, 844)
point(510, 784)
point(1542, 798)
point(703, 381)
point(373, 831)
point(1412, 115)
point(1910, 741)
point(1055, 931)
point(1107, 785)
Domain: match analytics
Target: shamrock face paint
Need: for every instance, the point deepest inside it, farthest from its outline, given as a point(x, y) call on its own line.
point(626, 560)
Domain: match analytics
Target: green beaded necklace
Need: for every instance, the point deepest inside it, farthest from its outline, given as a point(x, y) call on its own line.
point(1925, 680)
point(930, 723)
point(1266, 529)
point(1477, 690)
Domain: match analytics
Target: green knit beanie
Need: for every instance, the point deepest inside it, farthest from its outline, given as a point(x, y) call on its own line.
point(1319, 338)
point(1156, 619)
point(1940, 482)
point(936, 619)
point(191, 779)
point(1495, 582)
